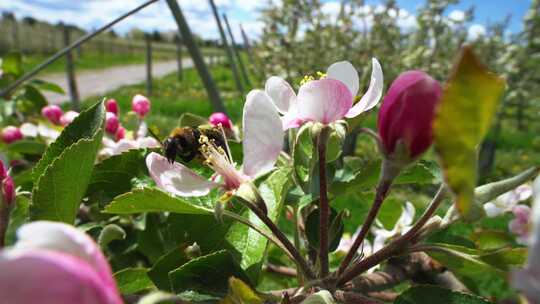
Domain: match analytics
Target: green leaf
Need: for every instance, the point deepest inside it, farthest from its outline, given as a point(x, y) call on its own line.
point(113, 175)
point(468, 104)
point(62, 176)
point(159, 297)
point(152, 200)
point(429, 294)
point(27, 146)
point(150, 241)
point(491, 239)
point(159, 273)
point(31, 100)
point(334, 233)
point(12, 64)
point(133, 280)
point(191, 120)
point(209, 274)
point(240, 292)
point(110, 233)
point(249, 244)
point(47, 86)
point(17, 217)
point(86, 126)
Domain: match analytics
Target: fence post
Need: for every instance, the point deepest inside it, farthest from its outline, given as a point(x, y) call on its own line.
point(148, 64)
point(237, 52)
point(197, 58)
point(178, 41)
point(228, 49)
point(70, 72)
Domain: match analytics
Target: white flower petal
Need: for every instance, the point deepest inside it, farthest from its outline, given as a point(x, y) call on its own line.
point(176, 178)
point(29, 129)
point(263, 134)
point(407, 215)
point(324, 101)
point(280, 92)
point(373, 94)
point(345, 72)
point(48, 132)
point(492, 210)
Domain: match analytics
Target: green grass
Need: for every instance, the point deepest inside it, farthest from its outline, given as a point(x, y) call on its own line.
point(172, 98)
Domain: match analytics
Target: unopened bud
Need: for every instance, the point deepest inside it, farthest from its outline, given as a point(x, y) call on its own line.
point(52, 113)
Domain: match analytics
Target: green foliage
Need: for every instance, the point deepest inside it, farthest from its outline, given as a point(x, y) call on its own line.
point(57, 194)
point(133, 280)
point(432, 294)
point(456, 143)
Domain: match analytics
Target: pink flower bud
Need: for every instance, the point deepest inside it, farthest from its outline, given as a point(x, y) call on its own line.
point(140, 105)
point(111, 123)
point(120, 133)
point(112, 106)
point(11, 134)
point(3, 170)
point(8, 190)
point(220, 118)
point(407, 113)
point(52, 113)
point(68, 118)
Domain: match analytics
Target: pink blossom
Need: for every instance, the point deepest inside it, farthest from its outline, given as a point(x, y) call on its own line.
point(407, 113)
point(120, 133)
point(112, 106)
point(326, 100)
point(140, 105)
point(220, 118)
point(520, 224)
point(68, 118)
point(11, 134)
point(65, 259)
point(111, 123)
point(7, 186)
point(52, 113)
point(263, 140)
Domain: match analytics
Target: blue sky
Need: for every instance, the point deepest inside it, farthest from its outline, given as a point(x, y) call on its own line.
point(93, 13)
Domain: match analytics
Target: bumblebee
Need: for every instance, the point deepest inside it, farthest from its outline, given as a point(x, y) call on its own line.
point(185, 142)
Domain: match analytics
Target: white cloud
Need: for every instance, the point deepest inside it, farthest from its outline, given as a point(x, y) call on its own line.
point(457, 15)
point(476, 31)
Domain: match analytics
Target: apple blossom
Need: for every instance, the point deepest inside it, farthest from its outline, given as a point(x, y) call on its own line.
point(407, 113)
point(507, 201)
point(328, 99)
point(68, 117)
point(111, 106)
point(111, 123)
point(527, 279)
point(120, 133)
point(66, 260)
point(520, 224)
point(11, 134)
point(45, 131)
point(140, 105)
point(403, 224)
point(263, 140)
point(7, 186)
point(52, 113)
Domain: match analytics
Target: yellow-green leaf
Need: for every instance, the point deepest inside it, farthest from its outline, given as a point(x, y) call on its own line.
point(468, 104)
point(240, 292)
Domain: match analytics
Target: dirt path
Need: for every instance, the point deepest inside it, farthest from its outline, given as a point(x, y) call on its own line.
point(98, 82)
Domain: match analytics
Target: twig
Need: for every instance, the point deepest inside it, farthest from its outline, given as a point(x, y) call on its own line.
point(324, 208)
point(352, 297)
point(394, 246)
point(297, 257)
point(284, 270)
point(380, 195)
point(4, 221)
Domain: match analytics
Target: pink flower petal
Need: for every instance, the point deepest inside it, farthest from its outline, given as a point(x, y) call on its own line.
point(263, 134)
point(373, 94)
point(176, 178)
point(63, 238)
point(281, 93)
point(345, 72)
point(48, 277)
point(325, 100)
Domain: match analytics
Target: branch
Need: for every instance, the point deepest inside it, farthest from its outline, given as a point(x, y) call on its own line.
point(395, 246)
point(324, 208)
point(284, 270)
